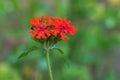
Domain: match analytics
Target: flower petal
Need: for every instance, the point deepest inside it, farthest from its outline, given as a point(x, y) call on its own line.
point(63, 36)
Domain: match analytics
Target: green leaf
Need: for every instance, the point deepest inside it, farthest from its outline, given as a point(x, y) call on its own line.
point(59, 50)
point(23, 55)
point(27, 52)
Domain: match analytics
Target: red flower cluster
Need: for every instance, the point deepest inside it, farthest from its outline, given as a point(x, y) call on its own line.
point(45, 27)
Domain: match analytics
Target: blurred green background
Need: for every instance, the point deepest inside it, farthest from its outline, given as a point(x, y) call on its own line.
point(91, 54)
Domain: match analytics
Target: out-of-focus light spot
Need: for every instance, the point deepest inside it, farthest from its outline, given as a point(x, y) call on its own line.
point(42, 64)
point(7, 72)
point(110, 23)
point(27, 71)
point(114, 2)
point(98, 12)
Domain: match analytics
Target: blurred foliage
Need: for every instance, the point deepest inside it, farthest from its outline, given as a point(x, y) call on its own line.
point(7, 73)
point(88, 55)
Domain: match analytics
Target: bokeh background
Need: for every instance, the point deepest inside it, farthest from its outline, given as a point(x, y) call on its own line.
point(93, 53)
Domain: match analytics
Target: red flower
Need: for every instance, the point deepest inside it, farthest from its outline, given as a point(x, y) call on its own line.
point(63, 27)
point(49, 26)
point(35, 22)
point(40, 31)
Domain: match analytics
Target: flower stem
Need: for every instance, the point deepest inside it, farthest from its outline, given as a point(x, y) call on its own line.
point(49, 67)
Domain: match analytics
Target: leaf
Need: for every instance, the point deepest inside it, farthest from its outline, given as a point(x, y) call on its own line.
point(27, 52)
point(23, 55)
point(64, 58)
point(59, 50)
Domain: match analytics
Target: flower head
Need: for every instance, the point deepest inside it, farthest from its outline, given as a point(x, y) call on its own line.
point(47, 27)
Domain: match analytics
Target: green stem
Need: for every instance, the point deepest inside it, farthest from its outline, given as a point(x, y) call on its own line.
point(49, 67)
